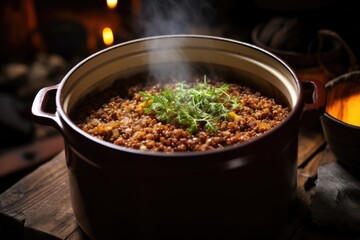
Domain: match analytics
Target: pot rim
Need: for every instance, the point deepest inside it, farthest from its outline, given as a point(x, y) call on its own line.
point(338, 121)
point(293, 111)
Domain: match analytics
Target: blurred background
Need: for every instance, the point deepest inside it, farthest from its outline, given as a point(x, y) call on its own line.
point(42, 40)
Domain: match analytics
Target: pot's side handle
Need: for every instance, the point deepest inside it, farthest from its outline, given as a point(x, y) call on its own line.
point(39, 112)
point(318, 96)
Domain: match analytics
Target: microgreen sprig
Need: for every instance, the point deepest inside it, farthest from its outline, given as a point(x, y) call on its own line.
point(202, 105)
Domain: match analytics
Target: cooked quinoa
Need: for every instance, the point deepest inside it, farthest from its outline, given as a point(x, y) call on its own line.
point(122, 120)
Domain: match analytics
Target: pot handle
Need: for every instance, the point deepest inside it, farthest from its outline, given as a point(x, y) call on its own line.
point(318, 96)
point(39, 110)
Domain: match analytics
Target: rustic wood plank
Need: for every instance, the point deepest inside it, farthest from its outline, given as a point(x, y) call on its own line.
point(30, 155)
point(307, 174)
point(39, 204)
point(310, 142)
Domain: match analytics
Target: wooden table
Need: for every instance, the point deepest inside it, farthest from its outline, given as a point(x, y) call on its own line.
point(38, 206)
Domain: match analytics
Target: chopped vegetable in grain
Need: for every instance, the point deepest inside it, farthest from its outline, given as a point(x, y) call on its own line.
point(176, 117)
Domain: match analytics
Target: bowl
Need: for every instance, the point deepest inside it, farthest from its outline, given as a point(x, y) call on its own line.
point(341, 120)
point(243, 190)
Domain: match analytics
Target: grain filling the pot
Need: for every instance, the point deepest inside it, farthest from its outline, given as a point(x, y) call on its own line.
point(203, 114)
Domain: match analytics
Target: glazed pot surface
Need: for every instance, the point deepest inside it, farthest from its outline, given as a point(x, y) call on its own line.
point(238, 191)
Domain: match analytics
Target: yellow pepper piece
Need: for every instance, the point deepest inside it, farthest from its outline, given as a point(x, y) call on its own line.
point(146, 104)
point(233, 116)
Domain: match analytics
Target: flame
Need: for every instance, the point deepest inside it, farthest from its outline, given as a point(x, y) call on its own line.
point(111, 4)
point(108, 36)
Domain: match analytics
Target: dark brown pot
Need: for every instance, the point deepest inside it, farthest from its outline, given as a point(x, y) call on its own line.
point(238, 191)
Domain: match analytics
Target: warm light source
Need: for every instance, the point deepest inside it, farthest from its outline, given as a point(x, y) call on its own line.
point(108, 36)
point(111, 3)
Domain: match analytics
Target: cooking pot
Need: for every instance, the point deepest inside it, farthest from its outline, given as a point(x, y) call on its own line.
point(243, 190)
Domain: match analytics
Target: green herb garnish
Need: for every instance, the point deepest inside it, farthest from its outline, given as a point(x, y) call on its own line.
point(191, 107)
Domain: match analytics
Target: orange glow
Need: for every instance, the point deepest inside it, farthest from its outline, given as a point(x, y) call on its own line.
point(108, 36)
point(343, 102)
point(111, 3)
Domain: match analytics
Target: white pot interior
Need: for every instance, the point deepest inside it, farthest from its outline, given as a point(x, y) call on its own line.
point(252, 65)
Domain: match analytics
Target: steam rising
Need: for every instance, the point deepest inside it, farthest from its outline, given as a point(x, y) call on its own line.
point(160, 17)
point(169, 17)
